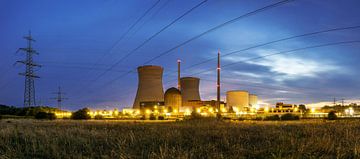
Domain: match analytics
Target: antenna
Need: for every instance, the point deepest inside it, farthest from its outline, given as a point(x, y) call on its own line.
point(29, 93)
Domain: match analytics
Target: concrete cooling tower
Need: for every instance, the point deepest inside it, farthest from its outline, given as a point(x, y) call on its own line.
point(253, 100)
point(150, 86)
point(173, 99)
point(189, 89)
point(238, 99)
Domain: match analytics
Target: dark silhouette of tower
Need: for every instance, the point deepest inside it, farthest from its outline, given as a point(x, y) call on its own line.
point(59, 98)
point(29, 94)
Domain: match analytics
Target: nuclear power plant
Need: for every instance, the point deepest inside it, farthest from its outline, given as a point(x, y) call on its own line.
point(150, 97)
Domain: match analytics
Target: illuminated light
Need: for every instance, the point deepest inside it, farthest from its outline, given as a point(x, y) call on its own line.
point(198, 110)
point(165, 110)
point(223, 110)
point(155, 107)
point(313, 110)
point(295, 109)
point(156, 111)
point(175, 111)
point(187, 112)
point(266, 109)
point(235, 109)
point(147, 111)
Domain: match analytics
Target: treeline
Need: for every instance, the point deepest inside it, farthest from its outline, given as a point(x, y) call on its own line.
point(28, 111)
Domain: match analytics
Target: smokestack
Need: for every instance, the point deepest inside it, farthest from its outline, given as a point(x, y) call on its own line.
point(179, 84)
point(218, 82)
point(150, 86)
point(189, 89)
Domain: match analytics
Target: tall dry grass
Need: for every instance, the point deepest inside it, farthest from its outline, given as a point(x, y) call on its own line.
point(191, 139)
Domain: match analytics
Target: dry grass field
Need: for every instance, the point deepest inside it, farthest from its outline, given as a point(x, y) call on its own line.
point(188, 139)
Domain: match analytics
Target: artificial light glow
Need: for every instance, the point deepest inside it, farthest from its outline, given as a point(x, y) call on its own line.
point(198, 110)
point(266, 109)
point(313, 110)
point(147, 111)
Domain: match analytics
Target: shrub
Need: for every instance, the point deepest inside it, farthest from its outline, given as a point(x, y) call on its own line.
point(195, 115)
point(289, 116)
point(99, 117)
point(161, 118)
point(273, 117)
point(44, 115)
point(152, 117)
point(81, 114)
point(332, 115)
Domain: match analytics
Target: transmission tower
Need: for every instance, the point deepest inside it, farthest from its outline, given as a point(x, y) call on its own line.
point(29, 94)
point(59, 98)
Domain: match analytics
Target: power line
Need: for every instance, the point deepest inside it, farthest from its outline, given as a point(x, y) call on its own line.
point(220, 26)
point(208, 31)
point(150, 38)
point(275, 41)
point(128, 30)
point(284, 52)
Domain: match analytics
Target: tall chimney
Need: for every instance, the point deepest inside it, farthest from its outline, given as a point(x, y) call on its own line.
point(179, 83)
point(218, 82)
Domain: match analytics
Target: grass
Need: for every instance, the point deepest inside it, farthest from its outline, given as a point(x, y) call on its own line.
point(29, 138)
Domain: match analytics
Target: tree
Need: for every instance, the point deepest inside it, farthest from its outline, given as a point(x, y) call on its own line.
point(82, 114)
point(45, 115)
point(332, 115)
point(302, 108)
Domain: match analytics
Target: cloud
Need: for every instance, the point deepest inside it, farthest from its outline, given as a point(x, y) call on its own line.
point(287, 67)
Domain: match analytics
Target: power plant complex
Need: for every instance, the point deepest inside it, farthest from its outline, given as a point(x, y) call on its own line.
point(185, 99)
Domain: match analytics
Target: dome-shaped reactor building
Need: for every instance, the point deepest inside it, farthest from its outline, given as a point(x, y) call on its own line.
point(189, 89)
point(172, 99)
point(150, 88)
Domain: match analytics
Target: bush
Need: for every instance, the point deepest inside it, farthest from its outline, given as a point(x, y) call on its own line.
point(161, 118)
point(332, 115)
point(44, 115)
point(81, 114)
point(289, 116)
point(273, 117)
point(152, 117)
point(195, 115)
point(99, 117)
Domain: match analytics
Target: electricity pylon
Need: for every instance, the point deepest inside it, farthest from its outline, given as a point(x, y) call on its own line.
point(29, 94)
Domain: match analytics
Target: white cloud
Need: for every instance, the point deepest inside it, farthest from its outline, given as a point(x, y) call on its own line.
point(287, 67)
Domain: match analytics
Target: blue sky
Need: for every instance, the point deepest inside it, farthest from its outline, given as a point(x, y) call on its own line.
point(74, 39)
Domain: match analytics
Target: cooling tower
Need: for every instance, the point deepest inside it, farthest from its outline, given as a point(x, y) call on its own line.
point(172, 99)
point(253, 100)
point(150, 86)
point(237, 99)
point(189, 89)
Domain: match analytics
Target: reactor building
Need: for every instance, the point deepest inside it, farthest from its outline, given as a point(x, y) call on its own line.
point(150, 87)
point(173, 100)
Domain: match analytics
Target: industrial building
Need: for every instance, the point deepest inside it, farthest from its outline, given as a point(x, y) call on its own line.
point(150, 86)
point(190, 90)
point(151, 99)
